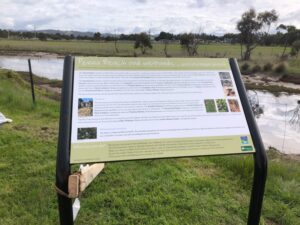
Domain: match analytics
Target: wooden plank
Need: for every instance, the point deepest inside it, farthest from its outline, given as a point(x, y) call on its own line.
point(88, 174)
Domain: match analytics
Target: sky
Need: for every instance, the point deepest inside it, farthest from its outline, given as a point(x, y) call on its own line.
point(133, 16)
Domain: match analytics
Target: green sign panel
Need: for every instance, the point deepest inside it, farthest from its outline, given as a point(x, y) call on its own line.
point(141, 108)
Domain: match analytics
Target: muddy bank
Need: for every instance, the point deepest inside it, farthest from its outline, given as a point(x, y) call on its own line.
point(270, 83)
point(52, 87)
point(31, 54)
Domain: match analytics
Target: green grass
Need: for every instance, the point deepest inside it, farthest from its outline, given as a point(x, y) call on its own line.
point(126, 49)
point(200, 190)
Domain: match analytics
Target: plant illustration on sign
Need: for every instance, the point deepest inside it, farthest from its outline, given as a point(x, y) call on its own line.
point(222, 105)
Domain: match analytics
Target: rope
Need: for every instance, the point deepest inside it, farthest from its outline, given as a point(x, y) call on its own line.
point(67, 195)
point(61, 192)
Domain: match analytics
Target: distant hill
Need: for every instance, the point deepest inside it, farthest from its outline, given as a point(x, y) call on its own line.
point(75, 33)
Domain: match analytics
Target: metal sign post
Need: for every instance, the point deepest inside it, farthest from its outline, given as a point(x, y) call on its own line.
point(260, 158)
point(63, 168)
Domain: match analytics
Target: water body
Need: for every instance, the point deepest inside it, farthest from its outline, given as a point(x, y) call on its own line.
point(49, 67)
point(274, 124)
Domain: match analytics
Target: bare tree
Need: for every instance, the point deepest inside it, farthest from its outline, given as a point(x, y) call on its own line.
point(116, 42)
point(165, 37)
point(290, 36)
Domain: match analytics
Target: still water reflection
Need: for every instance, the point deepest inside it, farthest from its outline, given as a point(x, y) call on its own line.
point(49, 67)
point(275, 123)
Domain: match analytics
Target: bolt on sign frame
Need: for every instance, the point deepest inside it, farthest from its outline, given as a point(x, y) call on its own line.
point(67, 147)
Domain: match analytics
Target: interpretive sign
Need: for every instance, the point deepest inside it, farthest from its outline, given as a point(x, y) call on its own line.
point(115, 109)
point(139, 108)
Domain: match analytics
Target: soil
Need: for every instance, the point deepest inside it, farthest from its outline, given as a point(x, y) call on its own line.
point(56, 90)
point(32, 54)
point(268, 80)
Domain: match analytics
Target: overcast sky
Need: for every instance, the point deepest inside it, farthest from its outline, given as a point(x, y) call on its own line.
point(127, 16)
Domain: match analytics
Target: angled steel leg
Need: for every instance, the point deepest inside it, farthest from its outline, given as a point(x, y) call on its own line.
point(258, 188)
point(63, 168)
point(260, 158)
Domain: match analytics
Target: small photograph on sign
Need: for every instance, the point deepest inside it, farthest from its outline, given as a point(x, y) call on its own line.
point(224, 75)
point(210, 105)
point(85, 107)
point(229, 91)
point(227, 84)
point(87, 133)
point(222, 105)
point(233, 105)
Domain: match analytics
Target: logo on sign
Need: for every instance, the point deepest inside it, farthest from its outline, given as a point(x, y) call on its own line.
point(244, 140)
point(246, 148)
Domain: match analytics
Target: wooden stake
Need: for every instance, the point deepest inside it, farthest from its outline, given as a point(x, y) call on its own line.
point(73, 185)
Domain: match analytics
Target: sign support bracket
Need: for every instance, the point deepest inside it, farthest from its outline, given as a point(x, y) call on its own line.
point(63, 168)
point(260, 158)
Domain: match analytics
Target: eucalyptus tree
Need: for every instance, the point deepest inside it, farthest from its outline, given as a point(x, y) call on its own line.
point(251, 27)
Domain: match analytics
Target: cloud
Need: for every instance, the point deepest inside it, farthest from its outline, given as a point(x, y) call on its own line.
point(30, 27)
point(126, 16)
point(7, 22)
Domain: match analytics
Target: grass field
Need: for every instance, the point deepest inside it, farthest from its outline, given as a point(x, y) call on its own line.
point(261, 55)
point(200, 190)
point(126, 49)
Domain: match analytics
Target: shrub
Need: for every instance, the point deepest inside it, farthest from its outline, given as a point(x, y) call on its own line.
point(268, 66)
point(256, 68)
point(280, 68)
point(9, 74)
point(245, 67)
point(295, 48)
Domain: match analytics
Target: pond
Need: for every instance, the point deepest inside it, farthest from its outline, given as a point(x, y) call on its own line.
point(50, 67)
point(274, 124)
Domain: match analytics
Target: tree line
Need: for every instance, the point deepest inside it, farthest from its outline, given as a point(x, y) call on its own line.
point(233, 38)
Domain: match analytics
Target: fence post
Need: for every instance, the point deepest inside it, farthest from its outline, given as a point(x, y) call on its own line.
point(31, 81)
